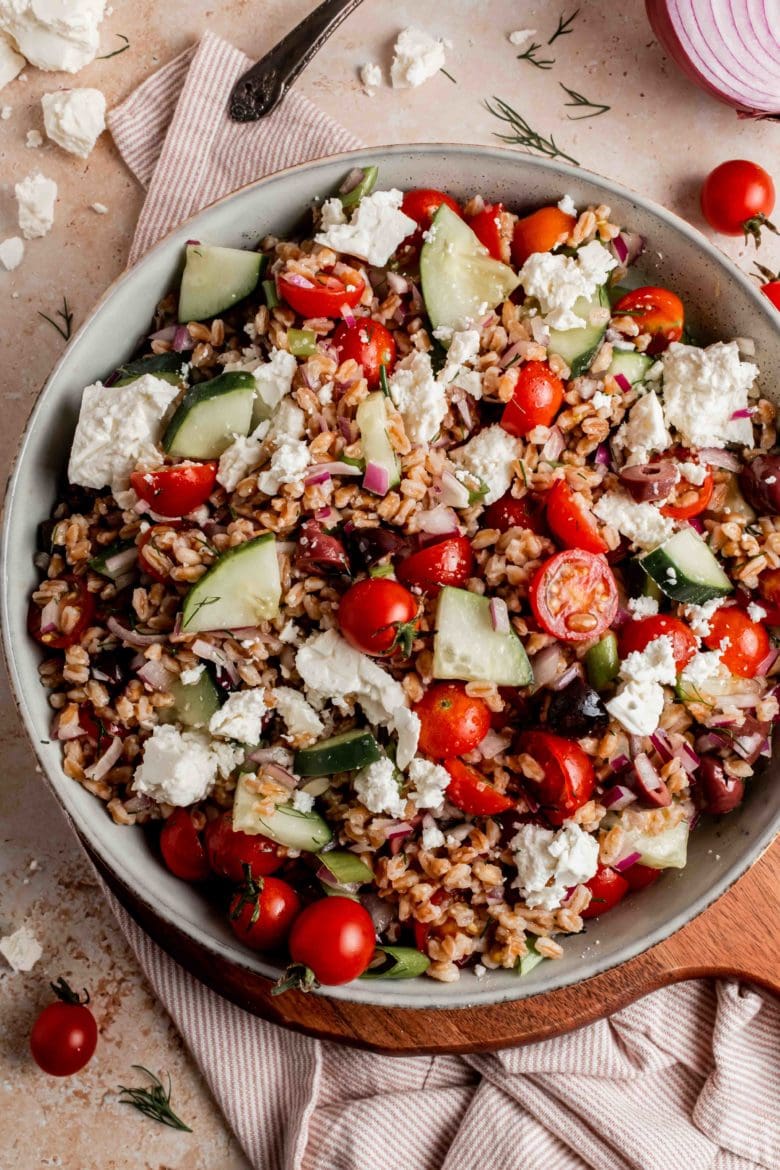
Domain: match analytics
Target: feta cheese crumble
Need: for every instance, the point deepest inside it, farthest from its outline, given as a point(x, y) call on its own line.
point(417, 57)
point(557, 281)
point(376, 229)
point(491, 456)
point(302, 720)
point(418, 396)
point(567, 206)
point(192, 675)
point(99, 208)
point(429, 783)
point(639, 702)
point(241, 716)
point(21, 950)
point(376, 786)
point(432, 837)
point(644, 431)
point(74, 119)
point(704, 669)
point(695, 473)
point(756, 612)
point(35, 197)
point(243, 455)
point(54, 36)
point(11, 253)
point(698, 616)
point(641, 523)
point(521, 35)
point(33, 139)
point(177, 767)
point(371, 77)
point(118, 429)
point(703, 388)
point(274, 378)
point(642, 607)
point(11, 62)
point(302, 801)
point(550, 862)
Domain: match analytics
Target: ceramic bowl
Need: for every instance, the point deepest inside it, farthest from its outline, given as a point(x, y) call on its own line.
point(722, 304)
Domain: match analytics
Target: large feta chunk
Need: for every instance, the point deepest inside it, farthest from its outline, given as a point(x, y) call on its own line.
point(429, 783)
point(418, 396)
point(639, 702)
point(490, 456)
point(35, 198)
point(558, 281)
point(303, 722)
point(417, 57)
point(641, 523)
point(704, 669)
point(702, 390)
point(74, 119)
point(241, 716)
point(274, 378)
point(119, 428)
point(288, 463)
point(549, 862)
point(644, 431)
point(54, 34)
point(376, 786)
point(11, 62)
point(462, 352)
point(376, 229)
point(177, 767)
point(21, 950)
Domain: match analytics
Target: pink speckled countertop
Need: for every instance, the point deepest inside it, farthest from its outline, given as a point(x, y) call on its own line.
point(661, 137)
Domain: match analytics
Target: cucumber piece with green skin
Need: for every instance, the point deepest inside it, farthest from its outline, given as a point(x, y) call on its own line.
point(193, 703)
point(602, 662)
point(116, 561)
point(630, 364)
point(346, 867)
point(241, 589)
point(650, 588)
point(578, 347)
point(364, 187)
point(398, 963)
point(460, 279)
point(285, 825)
point(341, 753)
point(685, 568)
point(529, 960)
point(215, 279)
point(465, 645)
point(166, 366)
point(210, 415)
point(377, 448)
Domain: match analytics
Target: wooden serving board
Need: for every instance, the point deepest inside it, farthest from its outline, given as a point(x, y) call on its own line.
point(700, 949)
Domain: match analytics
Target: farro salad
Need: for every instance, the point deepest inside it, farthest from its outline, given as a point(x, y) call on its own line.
point(415, 583)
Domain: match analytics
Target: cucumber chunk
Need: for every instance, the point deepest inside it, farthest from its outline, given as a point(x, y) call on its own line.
point(529, 960)
point(210, 416)
point(466, 646)
point(285, 825)
point(166, 366)
point(685, 569)
point(241, 589)
point(194, 703)
point(364, 187)
point(215, 279)
point(665, 850)
point(578, 347)
point(630, 364)
point(346, 867)
point(602, 663)
point(460, 279)
point(340, 753)
point(397, 963)
point(377, 448)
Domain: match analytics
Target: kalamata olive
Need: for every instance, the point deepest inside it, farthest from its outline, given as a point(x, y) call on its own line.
point(760, 483)
point(577, 711)
point(317, 551)
point(368, 545)
point(647, 784)
point(651, 481)
point(719, 793)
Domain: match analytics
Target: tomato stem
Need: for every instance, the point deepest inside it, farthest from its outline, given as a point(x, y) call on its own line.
point(65, 992)
point(297, 977)
point(249, 895)
point(752, 228)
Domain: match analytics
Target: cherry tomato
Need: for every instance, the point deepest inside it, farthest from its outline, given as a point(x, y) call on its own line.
point(769, 588)
point(486, 226)
point(509, 512)
point(737, 199)
point(748, 641)
point(334, 938)
point(771, 289)
point(262, 912)
point(423, 203)
point(65, 1035)
point(229, 850)
point(608, 887)
point(569, 590)
point(472, 794)
point(153, 534)
point(369, 344)
point(536, 400)
point(569, 778)
point(77, 600)
point(324, 296)
point(639, 876)
point(656, 311)
point(452, 722)
point(639, 633)
point(700, 494)
point(174, 491)
point(540, 232)
point(181, 845)
point(450, 562)
point(422, 931)
point(570, 520)
point(378, 616)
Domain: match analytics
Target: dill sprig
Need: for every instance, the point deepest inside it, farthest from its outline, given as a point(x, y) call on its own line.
point(578, 100)
point(446, 74)
point(116, 52)
point(523, 135)
point(66, 315)
point(154, 1102)
point(564, 26)
point(530, 56)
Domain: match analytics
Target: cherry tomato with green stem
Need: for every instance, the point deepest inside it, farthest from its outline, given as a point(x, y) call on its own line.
point(263, 910)
point(332, 942)
point(379, 617)
point(737, 199)
point(65, 1034)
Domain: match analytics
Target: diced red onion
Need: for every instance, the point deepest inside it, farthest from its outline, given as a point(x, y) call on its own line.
point(182, 340)
point(687, 757)
point(745, 412)
point(568, 676)
point(349, 431)
point(326, 515)
point(297, 280)
point(353, 180)
point(623, 382)
point(399, 829)
point(717, 457)
point(348, 315)
point(696, 523)
point(246, 632)
point(662, 744)
point(438, 521)
point(499, 615)
point(648, 783)
point(131, 637)
point(155, 675)
point(50, 616)
point(120, 562)
point(547, 665)
point(194, 242)
point(280, 774)
point(710, 741)
point(453, 493)
point(140, 802)
point(166, 334)
point(554, 445)
point(337, 467)
point(317, 477)
point(65, 731)
point(743, 700)
point(602, 456)
point(376, 479)
point(327, 876)
point(397, 283)
point(106, 762)
point(620, 248)
point(493, 744)
point(620, 763)
point(766, 663)
point(218, 657)
point(635, 745)
point(269, 755)
point(626, 862)
point(513, 352)
point(462, 405)
point(416, 304)
point(617, 797)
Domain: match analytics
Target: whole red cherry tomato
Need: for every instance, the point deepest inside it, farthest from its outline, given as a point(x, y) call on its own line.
point(181, 844)
point(262, 912)
point(65, 1035)
point(174, 491)
point(747, 642)
point(639, 633)
point(536, 400)
point(229, 850)
point(334, 940)
point(378, 616)
point(569, 778)
point(368, 343)
point(449, 562)
point(469, 791)
point(324, 295)
point(737, 199)
point(570, 520)
point(451, 721)
point(608, 887)
point(73, 609)
point(657, 311)
point(540, 232)
point(574, 596)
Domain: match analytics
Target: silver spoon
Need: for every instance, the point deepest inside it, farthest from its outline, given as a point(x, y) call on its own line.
point(259, 91)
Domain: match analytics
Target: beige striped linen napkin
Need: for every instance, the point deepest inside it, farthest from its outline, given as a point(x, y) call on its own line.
point(686, 1079)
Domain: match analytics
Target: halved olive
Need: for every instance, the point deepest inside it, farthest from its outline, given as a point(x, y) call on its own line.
point(652, 481)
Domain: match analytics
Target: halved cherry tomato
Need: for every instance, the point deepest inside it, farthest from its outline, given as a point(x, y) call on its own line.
point(472, 794)
point(450, 562)
point(540, 232)
point(423, 203)
point(369, 344)
point(229, 850)
point(181, 844)
point(737, 198)
point(174, 491)
point(536, 400)
point(324, 295)
point(76, 601)
point(608, 887)
point(574, 596)
point(378, 616)
point(263, 911)
point(638, 634)
point(639, 876)
point(451, 722)
point(570, 520)
point(486, 226)
point(334, 938)
point(656, 311)
point(569, 778)
point(149, 537)
point(508, 512)
point(698, 497)
point(748, 642)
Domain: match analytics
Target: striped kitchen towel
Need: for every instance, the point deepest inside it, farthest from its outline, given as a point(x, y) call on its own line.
point(686, 1079)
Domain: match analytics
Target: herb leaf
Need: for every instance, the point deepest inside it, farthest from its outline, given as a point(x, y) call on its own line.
point(524, 135)
point(154, 1102)
point(199, 607)
point(446, 74)
point(66, 315)
point(577, 99)
point(116, 52)
point(530, 56)
point(564, 26)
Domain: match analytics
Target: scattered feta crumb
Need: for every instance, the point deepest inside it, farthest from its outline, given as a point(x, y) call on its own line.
point(11, 252)
point(177, 768)
point(639, 702)
point(432, 837)
point(567, 206)
point(300, 717)
point(479, 970)
point(417, 57)
point(643, 432)
point(756, 612)
point(490, 456)
point(192, 675)
point(601, 401)
point(99, 208)
point(521, 35)
point(35, 196)
point(53, 36)
point(371, 77)
point(74, 119)
point(698, 616)
point(5, 113)
point(21, 950)
point(418, 396)
point(243, 455)
point(695, 473)
point(302, 801)
point(33, 139)
point(641, 607)
point(641, 523)
point(704, 668)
